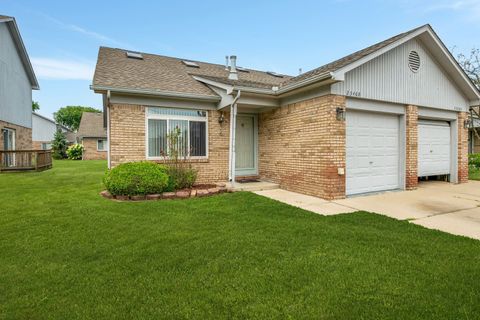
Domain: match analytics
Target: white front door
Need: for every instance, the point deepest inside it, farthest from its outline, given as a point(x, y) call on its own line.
point(246, 145)
point(434, 144)
point(372, 152)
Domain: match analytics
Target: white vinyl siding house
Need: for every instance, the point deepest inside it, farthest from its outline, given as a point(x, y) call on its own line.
point(17, 78)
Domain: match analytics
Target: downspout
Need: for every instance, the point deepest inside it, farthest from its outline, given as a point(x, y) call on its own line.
point(233, 122)
point(108, 129)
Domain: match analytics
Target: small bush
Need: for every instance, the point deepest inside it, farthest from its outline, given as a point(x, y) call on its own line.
point(136, 178)
point(181, 177)
point(474, 161)
point(75, 152)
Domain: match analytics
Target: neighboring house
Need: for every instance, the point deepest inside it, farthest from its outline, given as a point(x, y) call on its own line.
point(17, 80)
point(375, 120)
point(93, 136)
point(43, 132)
point(474, 136)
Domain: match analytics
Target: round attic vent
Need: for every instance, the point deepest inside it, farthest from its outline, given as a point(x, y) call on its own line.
point(414, 61)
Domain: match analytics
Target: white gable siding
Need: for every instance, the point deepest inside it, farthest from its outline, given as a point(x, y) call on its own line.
point(15, 87)
point(42, 129)
point(389, 78)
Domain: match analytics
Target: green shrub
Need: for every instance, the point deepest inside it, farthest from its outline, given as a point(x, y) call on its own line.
point(474, 161)
point(59, 145)
point(136, 178)
point(75, 152)
point(181, 177)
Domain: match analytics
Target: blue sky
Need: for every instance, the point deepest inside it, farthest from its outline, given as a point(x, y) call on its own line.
point(62, 37)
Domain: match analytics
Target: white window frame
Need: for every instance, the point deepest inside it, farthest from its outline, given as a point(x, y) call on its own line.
point(174, 117)
point(105, 145)
point(46, 146)
point(14, 137)
point(12, 161)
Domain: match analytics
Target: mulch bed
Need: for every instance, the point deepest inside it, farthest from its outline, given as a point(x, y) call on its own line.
point(200, 190)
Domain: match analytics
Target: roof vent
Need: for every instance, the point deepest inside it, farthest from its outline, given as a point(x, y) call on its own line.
point(414, 61)
point(190, 64)
point(278, 75)
point(134, 55)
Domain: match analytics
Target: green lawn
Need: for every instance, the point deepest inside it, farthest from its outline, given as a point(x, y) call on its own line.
point(474, 174)
point(67, 253)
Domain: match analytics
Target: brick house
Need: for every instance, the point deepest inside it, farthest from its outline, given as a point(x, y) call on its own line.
point(474, 132)
point(378, 119)
point(17, 80)
point(93, 136)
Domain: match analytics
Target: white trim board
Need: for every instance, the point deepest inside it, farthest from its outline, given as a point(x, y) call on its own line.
point(436, 114)
point(161, 102)
point(374, 106)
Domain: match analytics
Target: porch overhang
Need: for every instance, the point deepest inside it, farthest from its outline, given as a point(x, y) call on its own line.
point(262, 99)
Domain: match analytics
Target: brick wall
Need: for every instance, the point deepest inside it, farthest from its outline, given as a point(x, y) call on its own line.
point(462, 148)
point(127, 133)
point(90, 151)
point(37, 145)
point(127, 141)
point(302, 145)
point(23, 136)
point(411, 144)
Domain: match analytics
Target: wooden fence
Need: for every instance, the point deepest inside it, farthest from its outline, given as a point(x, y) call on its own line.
point(25, 160)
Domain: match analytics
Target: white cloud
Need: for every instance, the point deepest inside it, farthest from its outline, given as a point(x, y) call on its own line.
point(83, 31)
point(47, 68)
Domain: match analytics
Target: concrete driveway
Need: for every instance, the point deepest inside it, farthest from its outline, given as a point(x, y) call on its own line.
point(435, 205)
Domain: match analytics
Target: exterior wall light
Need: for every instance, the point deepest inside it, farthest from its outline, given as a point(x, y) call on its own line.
point(340, 114)
point(221, 119)
point(467, 123)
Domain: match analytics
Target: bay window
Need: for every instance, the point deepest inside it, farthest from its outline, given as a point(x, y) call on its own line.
point(192, 129)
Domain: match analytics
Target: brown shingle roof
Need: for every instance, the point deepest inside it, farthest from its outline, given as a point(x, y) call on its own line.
point(91, 125)
point(161, 73)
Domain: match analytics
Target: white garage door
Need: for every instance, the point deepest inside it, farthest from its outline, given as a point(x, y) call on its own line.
point(372, 152)
point(433, 148)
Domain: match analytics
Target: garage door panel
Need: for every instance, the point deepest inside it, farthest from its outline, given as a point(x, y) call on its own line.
point(434, 148)
point(372, 152)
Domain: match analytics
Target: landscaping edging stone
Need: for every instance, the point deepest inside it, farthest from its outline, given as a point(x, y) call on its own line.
point(180, 194)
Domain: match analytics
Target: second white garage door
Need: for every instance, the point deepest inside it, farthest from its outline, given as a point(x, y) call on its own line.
point(433, 148)
point(372, 152)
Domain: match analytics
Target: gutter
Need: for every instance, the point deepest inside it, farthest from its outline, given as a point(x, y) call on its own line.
point(305, 82)
point(109, 164)
point(271, 92)
point(168, 94)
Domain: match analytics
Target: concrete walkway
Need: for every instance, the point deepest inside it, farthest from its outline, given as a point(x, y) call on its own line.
point(435, 205)
point(309, 203)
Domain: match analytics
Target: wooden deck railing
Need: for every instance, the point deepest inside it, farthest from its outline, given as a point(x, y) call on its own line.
point(24, 160)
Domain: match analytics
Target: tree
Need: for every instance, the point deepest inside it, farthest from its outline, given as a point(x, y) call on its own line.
point(70, 116)
point(59, 145)
point(471, 64)
point(35, 106)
